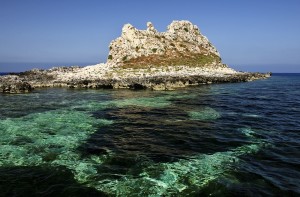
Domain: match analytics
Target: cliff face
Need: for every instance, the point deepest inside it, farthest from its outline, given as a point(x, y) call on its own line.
point(181, 44)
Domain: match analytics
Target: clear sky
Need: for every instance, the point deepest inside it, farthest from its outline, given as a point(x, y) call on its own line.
point(251, 35)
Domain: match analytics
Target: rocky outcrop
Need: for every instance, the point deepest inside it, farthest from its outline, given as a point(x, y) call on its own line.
point(141, 59)
point(165, 82)
point(181, 44)
point(14, 84)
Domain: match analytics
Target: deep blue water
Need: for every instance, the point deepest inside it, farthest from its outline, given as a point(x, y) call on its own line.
point(240, 139)
point(25, 66)
point(2, 73)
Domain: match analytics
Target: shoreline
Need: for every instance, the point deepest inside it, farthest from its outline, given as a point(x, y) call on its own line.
point(105, 76)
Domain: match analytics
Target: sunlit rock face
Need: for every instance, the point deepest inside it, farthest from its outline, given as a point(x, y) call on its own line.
point(181, 44)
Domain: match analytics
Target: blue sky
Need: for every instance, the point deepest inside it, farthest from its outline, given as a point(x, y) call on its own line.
point(256, 35)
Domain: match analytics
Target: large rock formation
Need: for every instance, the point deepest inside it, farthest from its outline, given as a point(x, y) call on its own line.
point(181, 44)
point(141, 59)
point(14, 84)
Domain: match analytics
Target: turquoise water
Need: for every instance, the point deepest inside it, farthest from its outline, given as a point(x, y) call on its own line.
point(211, 140)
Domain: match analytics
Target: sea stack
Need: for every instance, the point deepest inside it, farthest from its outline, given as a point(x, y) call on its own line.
point(141, 59)
point(181, 44)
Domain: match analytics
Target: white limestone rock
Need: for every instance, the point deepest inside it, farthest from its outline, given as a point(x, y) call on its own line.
point(181, 36)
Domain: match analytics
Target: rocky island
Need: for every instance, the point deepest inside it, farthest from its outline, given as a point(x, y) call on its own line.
point(141, 59)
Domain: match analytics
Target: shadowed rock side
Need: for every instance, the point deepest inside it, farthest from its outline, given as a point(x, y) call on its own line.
point(165, 82)
point(141, 59)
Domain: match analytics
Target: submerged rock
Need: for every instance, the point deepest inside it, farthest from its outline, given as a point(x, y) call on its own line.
point(204, 114)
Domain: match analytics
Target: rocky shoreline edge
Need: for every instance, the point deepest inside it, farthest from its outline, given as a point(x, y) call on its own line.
point(28, 81)
point(166, 82)
point(141, 59)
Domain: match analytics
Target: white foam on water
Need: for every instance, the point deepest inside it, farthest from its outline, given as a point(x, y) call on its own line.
point(252, 115)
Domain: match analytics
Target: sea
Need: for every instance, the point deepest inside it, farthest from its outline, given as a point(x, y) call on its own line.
point(234, 139)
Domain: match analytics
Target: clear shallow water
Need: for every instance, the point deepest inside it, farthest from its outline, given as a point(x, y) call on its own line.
point(218, 140)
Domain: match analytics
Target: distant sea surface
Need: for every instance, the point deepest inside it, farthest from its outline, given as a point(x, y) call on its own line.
point(1, 73)
point(21, 67)
point(239, 139)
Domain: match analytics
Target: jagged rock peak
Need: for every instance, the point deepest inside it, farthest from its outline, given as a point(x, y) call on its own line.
point(183, 25)
point(182, 39)
point(150, 27)
point(128, 28)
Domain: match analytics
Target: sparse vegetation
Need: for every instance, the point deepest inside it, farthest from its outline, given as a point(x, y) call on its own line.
point(154, 50)
point(172, 58)
point(109, 57)
point(186, 29)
